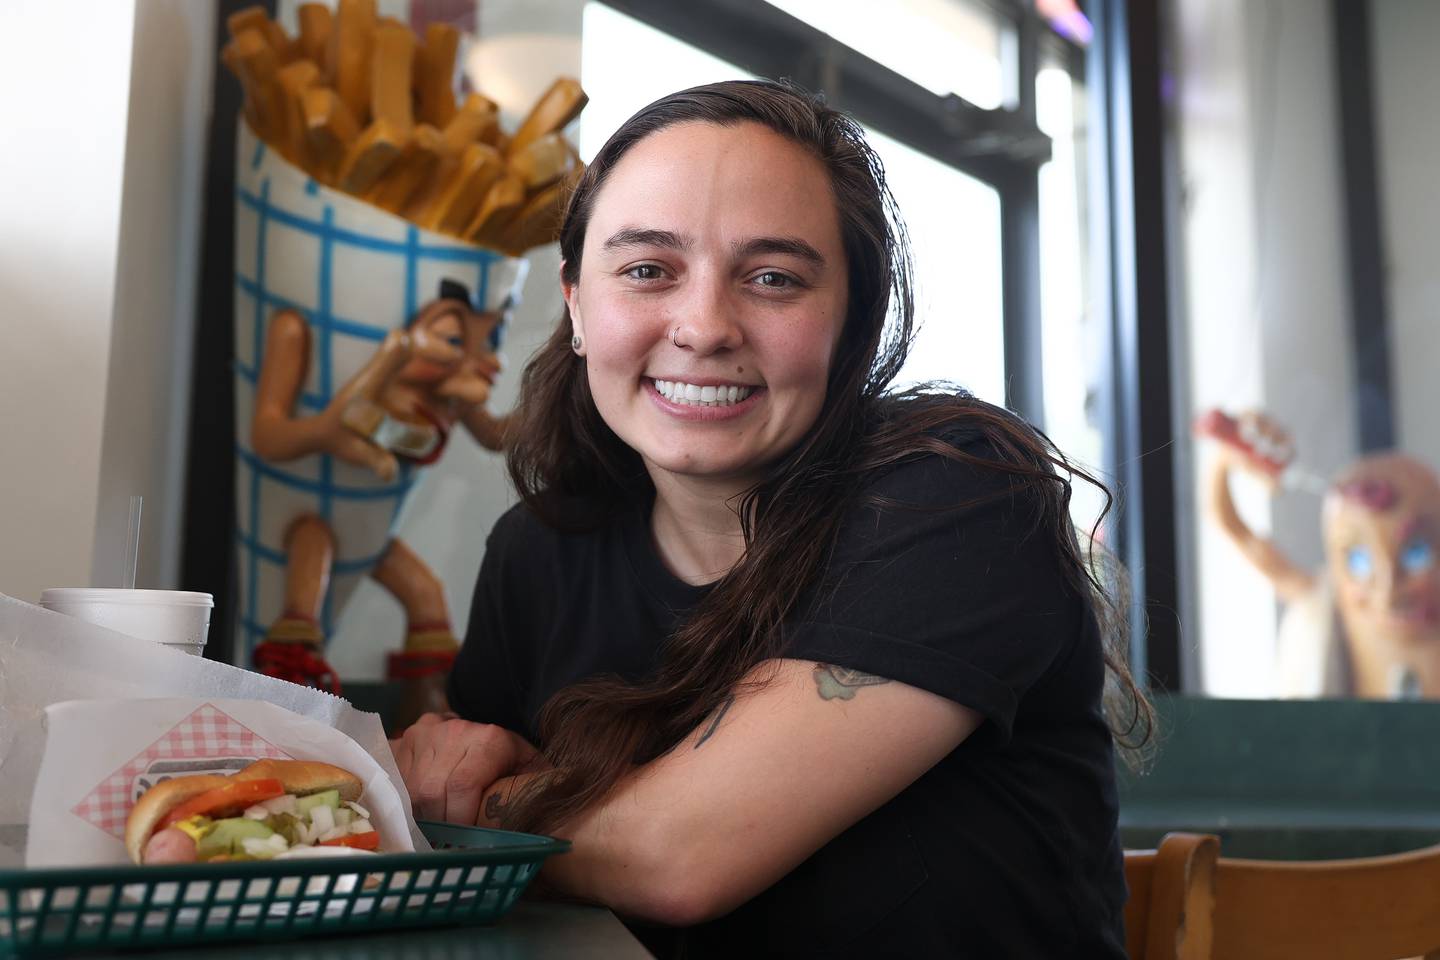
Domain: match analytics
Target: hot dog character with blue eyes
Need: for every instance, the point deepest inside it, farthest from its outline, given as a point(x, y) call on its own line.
point(1382, 527)
point(1374, 611)
point(401, 405)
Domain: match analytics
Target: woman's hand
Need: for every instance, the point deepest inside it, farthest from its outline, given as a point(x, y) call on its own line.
point(448, 764)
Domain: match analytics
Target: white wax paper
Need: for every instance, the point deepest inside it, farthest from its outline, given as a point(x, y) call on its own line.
point(48, 658)
point(89, 782)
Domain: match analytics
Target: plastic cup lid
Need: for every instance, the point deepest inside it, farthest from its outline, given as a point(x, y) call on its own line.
point(172, 598)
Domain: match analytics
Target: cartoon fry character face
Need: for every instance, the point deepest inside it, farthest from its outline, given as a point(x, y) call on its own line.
point(453, 349)
point(1382, 546)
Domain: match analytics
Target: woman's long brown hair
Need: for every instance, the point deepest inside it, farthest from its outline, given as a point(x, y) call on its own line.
point(573, 472)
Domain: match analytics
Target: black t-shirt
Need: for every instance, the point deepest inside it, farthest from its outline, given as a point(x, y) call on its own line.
point(1007, 847)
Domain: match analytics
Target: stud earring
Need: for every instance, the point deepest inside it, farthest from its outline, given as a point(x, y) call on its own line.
point(575, 343)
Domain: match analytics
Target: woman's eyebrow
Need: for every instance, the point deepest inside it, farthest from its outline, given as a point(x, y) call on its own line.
point(792, 246)
point(636, 237)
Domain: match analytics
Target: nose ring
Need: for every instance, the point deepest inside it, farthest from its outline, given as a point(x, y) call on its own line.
point(674, 334)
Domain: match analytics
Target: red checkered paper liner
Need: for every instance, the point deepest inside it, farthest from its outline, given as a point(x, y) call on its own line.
point(208, 733)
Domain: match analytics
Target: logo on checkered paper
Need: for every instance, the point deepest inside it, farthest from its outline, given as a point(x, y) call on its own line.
point(207, 741)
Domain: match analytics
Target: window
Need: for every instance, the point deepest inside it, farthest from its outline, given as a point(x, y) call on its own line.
point(943, 45)
point(1308, 234)
point(1072, 332)
point(954, 224)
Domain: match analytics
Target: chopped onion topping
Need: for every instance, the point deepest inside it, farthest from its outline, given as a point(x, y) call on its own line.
point(359, 810)
point(334, 834)
point(281, 804)
point(361, 826)
point(323, 818)
point(257, 812)
point(266, 847)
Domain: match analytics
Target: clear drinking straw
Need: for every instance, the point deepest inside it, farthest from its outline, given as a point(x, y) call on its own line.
point(132, 542)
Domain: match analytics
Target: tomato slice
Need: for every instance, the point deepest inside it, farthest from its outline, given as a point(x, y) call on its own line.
point(232, 798)
point(362, 841)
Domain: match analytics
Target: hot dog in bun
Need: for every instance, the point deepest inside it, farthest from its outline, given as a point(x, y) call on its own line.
point(270, 808)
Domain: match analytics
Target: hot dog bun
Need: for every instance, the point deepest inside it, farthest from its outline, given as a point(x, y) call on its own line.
point(299, 777)
point(160, 800)
point(305, 776)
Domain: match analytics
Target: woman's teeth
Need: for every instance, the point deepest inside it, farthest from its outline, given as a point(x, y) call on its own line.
point(689, 393)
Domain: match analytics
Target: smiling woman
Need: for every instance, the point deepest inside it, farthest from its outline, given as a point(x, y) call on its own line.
point(807, 667)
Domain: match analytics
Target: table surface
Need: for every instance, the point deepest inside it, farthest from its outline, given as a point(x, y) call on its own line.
point(532, 930)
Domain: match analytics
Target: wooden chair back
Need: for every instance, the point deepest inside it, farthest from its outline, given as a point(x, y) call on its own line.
point(1172, 890)
point(1365, 908)
point(1189, 903)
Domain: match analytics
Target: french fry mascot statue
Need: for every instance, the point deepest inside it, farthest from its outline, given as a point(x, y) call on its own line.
point(402, 404)
point(1369, 622)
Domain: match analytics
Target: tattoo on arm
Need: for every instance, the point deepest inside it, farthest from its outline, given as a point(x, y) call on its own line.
point(715, 720)
point(833, 682)
point(494, 806)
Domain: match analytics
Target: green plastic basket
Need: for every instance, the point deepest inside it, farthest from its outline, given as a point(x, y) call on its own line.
point(474, 876)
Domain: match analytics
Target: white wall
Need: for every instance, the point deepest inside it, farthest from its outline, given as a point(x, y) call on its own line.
point(1265, 302)
point(105, 106)
point(1406, 90)
point(64, 97)
point(148, 388)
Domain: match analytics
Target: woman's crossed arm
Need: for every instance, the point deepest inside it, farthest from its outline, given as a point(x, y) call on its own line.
point(762, 784)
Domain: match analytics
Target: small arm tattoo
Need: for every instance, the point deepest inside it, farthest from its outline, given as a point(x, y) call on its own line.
point(715, 720)
point(494, 806)
point(833, 682)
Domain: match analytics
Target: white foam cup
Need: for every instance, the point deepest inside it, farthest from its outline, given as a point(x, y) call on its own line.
point(178, 619)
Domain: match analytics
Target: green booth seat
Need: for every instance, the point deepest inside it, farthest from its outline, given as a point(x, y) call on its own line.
point(1289, 779)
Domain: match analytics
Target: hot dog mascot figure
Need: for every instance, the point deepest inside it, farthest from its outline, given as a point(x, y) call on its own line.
point(1374, 631)
point(398, 408)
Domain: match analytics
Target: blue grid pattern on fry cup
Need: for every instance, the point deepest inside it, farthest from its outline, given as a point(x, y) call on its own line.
point(354, 272)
